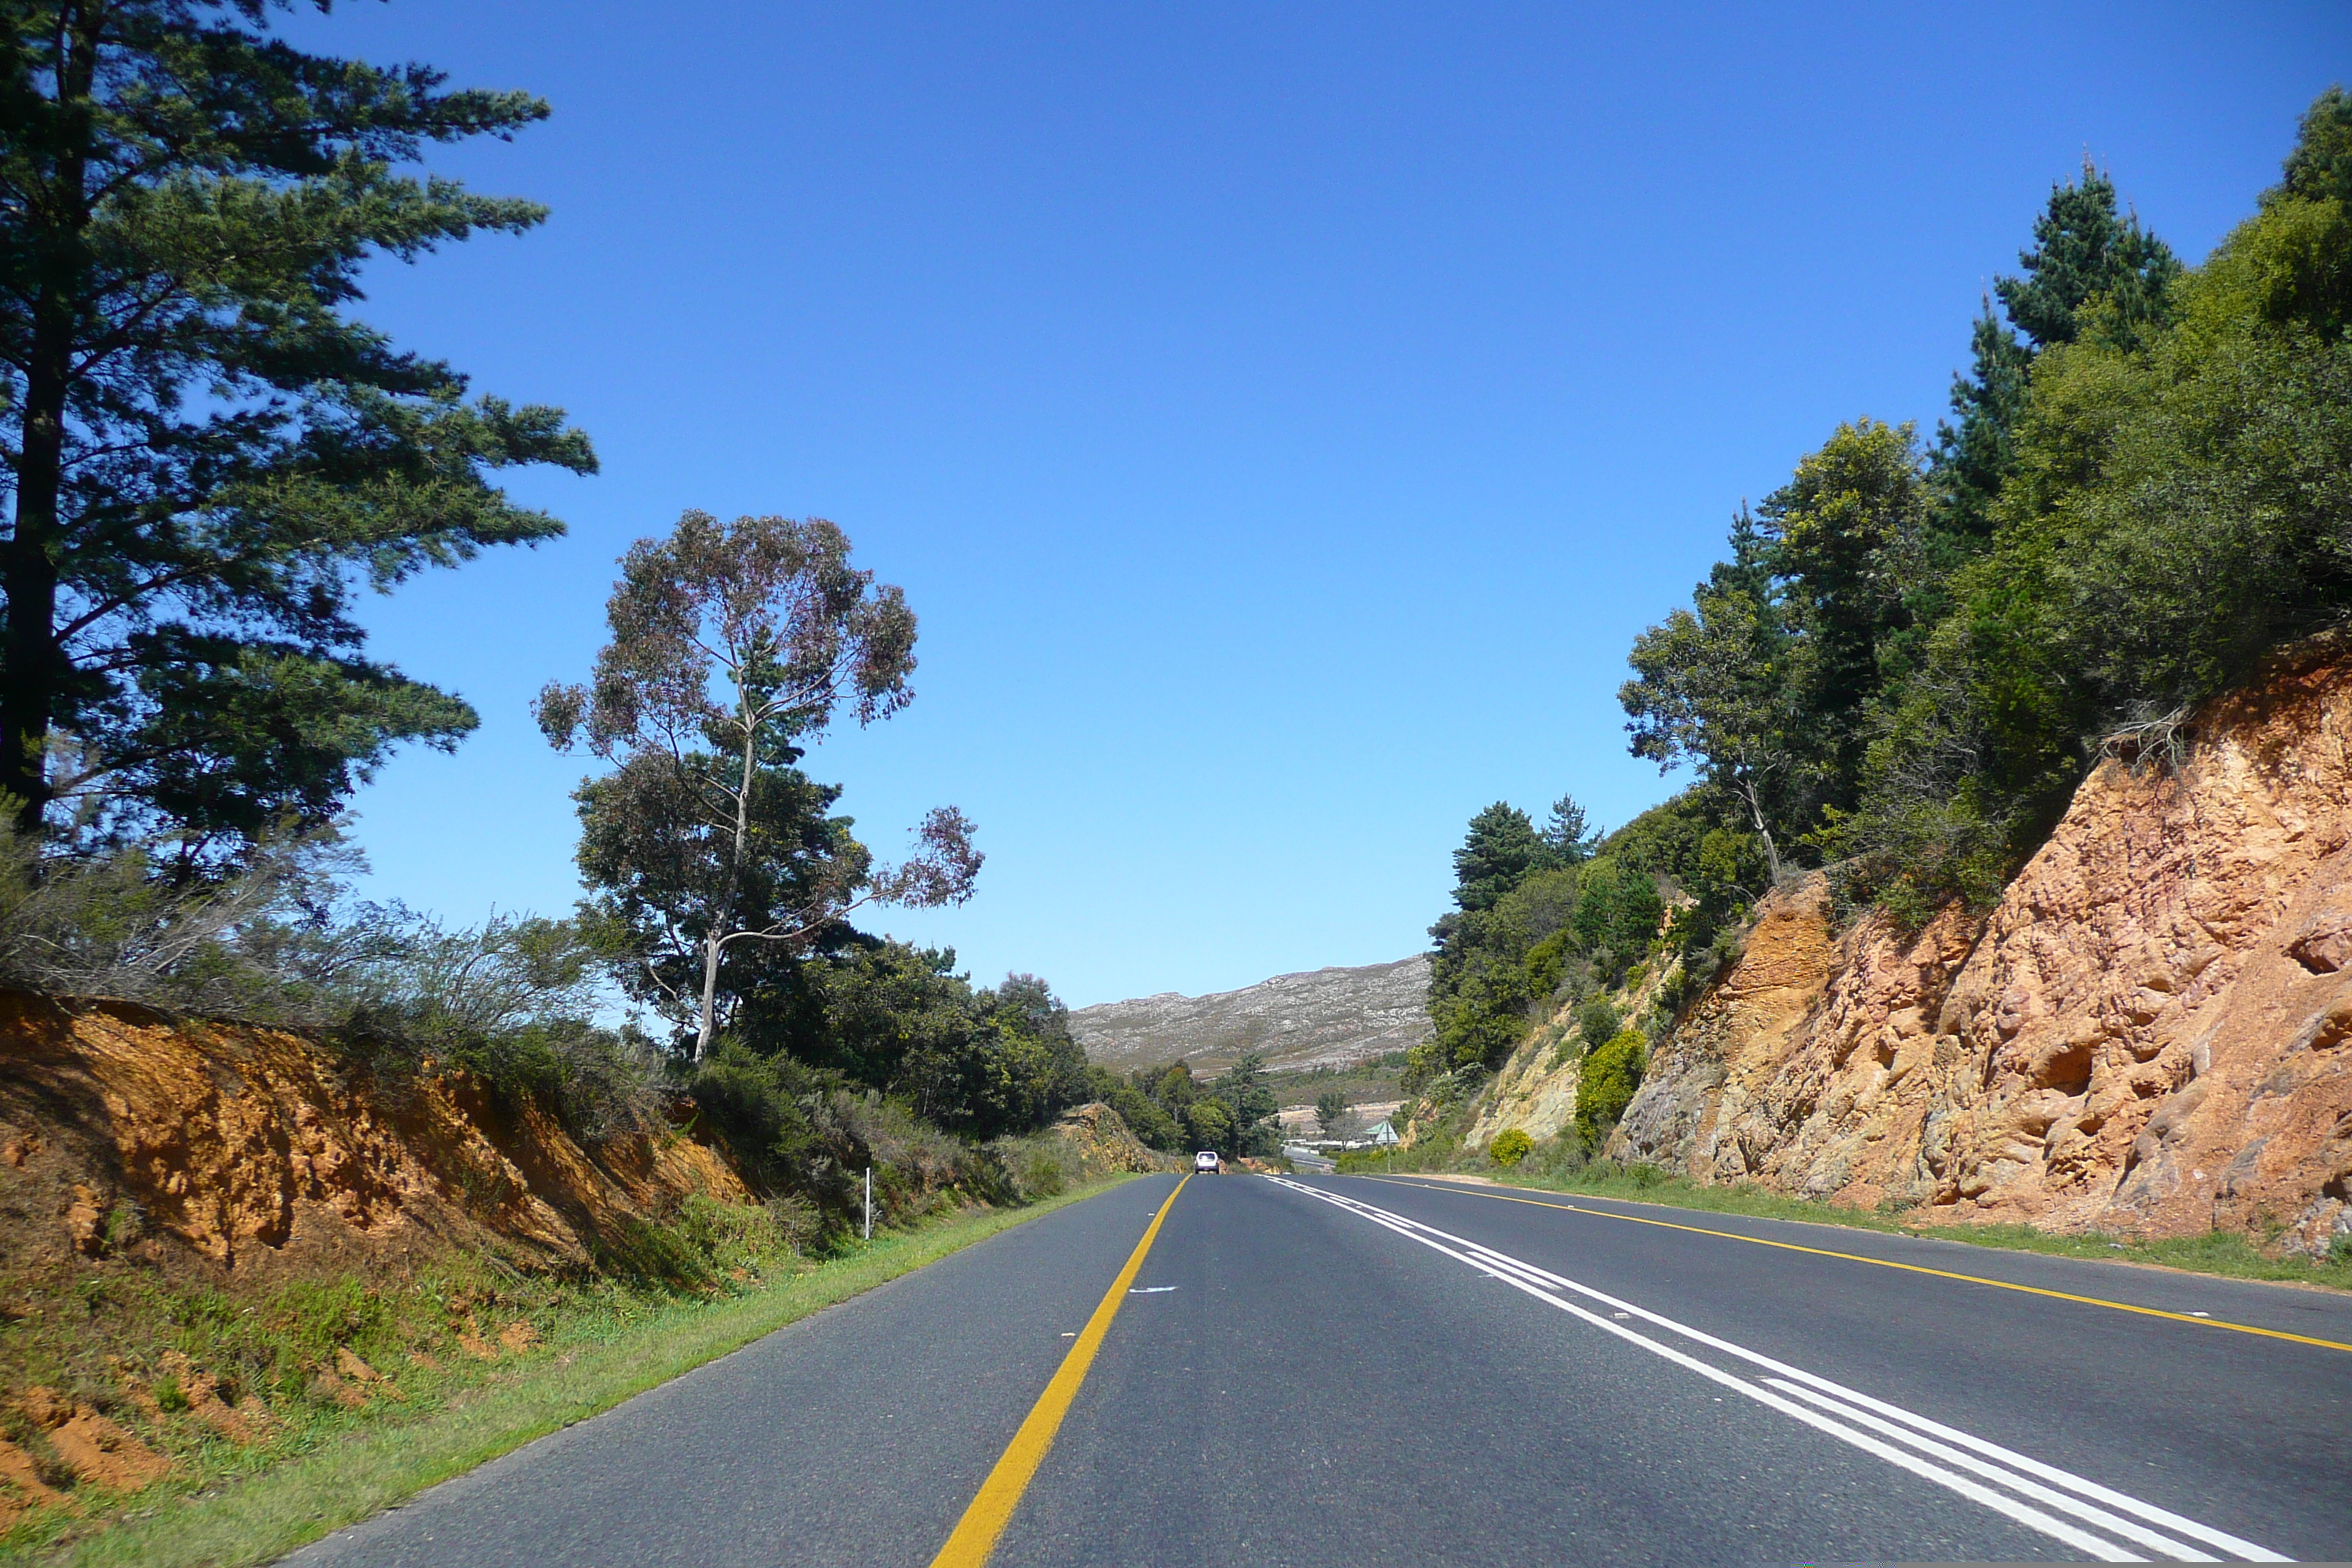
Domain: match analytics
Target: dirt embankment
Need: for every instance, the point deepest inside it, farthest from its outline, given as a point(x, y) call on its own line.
point(246, 1152)
point(2150, 1033)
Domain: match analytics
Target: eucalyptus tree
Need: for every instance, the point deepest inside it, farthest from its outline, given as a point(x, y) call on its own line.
point(734, 647)
point(206, 456)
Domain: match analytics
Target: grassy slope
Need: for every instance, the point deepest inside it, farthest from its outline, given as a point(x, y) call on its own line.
point(345, 1479)
point(2217, 1252)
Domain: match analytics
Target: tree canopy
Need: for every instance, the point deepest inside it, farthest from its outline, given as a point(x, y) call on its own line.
point(712, 857)
point(206, 455)
point(1912, 656)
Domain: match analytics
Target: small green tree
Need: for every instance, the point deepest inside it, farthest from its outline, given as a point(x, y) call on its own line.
point(1605, 1086)
point(1511, 1146)
point(1596, 1021)
point(733, 649)
point(1330, 1110)
point(1501, 848)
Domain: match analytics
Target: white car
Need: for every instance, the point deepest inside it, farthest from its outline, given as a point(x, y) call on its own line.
point(1206, 1162)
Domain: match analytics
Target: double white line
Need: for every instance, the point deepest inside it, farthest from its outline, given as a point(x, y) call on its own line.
point(2093, 1520)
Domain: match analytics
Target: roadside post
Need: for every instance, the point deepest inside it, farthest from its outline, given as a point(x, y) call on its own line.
point(870, 1203)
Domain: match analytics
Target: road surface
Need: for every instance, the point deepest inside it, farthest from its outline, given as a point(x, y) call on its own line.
point(1331, 1369)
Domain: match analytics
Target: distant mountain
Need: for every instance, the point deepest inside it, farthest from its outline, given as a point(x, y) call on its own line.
point(1330, 1017)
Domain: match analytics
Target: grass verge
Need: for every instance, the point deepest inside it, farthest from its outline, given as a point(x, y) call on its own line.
point(265, 1515)
point(2225, 1253)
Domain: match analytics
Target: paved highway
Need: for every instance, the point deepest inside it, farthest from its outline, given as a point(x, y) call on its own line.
point(1351, 1369)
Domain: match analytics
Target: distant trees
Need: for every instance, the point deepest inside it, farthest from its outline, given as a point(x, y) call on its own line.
point(1168, 1109)
point(1571, 917)
point(1330, 1110)
point(206, 455)
point(733, 647)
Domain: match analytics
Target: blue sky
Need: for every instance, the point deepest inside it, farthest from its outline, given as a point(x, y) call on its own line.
point(1283, 418)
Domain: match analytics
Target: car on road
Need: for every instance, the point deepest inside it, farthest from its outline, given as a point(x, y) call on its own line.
point(1207, 1162)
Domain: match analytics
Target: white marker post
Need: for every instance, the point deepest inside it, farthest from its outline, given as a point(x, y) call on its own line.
point(870, 1203)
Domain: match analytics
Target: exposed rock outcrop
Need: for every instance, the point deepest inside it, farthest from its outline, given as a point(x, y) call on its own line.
point(243, 1148)
point(2151, 1032)
point(1104, 1142)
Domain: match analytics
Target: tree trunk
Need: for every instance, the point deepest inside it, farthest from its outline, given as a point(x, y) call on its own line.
point(714, 944)
point(33, 665)
point(1771, 854)
point(29, 575)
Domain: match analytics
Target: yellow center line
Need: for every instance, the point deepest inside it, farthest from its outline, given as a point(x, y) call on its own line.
point(1879, 1262)
point(991, 1509)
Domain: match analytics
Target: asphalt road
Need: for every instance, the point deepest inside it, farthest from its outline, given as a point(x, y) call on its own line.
point(1348, 1370)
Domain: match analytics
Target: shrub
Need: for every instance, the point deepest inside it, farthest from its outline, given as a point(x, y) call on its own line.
point(1510, 1147)
point(1605, 1087)
point(1598, 1020)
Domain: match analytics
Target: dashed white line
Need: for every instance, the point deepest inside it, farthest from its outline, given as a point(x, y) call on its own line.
point(2063, 1506)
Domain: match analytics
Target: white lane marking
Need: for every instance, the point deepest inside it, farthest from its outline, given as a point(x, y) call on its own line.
point(2146, 1510)
point(1856, 1410)
point(1150, 1289)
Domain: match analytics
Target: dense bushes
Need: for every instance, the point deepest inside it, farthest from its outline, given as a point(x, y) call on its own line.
point(900, 1063)
point(1572, 918)
point(1169, 1110)
point(1913, 654)
point(1606, 1082)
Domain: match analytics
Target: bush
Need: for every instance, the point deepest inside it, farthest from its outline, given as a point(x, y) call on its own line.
point(1605, 1087)
point(1509, 1147)
point(1598, 1021)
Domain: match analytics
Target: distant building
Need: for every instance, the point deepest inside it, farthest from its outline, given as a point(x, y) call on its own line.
point(1382, 1135)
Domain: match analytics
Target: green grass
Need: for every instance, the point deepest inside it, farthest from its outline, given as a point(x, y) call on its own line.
point(342, 1472)
point(2226, 1253)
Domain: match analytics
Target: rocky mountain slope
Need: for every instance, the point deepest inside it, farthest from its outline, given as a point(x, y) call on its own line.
point(2151, 1032)
point(1330, 1017)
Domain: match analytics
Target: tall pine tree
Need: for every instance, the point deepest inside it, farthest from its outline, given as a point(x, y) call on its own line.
point(2085, 249)
point(204, 454)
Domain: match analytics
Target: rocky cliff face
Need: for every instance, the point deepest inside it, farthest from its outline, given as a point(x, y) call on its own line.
point(1330, 1017)
point(244, 1149)
point(2151, 1032)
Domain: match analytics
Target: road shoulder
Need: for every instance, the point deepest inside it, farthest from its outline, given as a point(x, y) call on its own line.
point(274, 1513)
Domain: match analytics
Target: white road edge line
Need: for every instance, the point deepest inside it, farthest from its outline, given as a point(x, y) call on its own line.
point(1858, 1408)
point(2146, 1510)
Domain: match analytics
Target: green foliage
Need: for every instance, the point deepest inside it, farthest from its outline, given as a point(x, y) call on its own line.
point(807, 1134)
point(1605, 1086)
point(1330, 1110)
point(1598, 1021)
point(1150, 1122)
point(1909, 662)
point(1502, 847)
point(712, 861)
point(1575, 922)
point(1210, 1123)
point(207, 456)
point(1511, 1146)
point(1168, 1109)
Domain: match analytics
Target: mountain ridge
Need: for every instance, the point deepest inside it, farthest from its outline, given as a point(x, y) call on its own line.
point(1335, 1016)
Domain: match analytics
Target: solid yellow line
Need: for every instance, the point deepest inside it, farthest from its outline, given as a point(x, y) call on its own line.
point(1880, 1262)
point(976, 1532)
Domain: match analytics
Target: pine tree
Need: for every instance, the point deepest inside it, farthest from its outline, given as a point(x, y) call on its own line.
point(206, 454)
point(2085, 250)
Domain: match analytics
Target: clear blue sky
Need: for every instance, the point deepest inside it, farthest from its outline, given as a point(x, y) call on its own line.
point(1282, 418)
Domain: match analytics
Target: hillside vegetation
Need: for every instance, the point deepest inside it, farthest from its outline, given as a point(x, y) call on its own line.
point(1914, 654)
